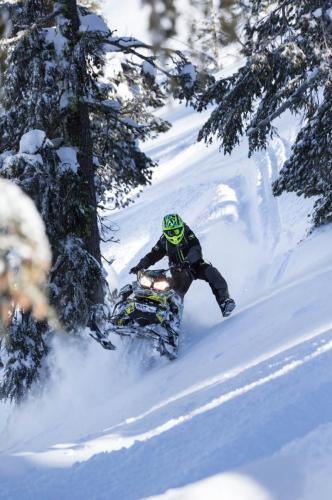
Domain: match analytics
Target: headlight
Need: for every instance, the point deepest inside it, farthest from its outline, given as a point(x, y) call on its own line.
point(161, 286)
point(145, 281)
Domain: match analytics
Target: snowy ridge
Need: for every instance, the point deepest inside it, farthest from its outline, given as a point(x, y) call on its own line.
point(244, 410)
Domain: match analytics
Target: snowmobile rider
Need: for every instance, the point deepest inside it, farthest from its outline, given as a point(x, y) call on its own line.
point(184, 252)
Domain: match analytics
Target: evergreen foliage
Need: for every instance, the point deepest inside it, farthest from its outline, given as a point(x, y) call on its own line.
point(162, 20)
point(288, 67)
point(213, 26)
point(25, 351)
point(69, 137)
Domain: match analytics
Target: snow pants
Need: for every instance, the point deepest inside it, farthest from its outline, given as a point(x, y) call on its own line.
point(183, 278)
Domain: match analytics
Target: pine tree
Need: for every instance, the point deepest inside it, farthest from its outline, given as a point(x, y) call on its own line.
point(162, 20)
point(69, 136)
point(25, 351)
point(288, 67)
point(211, 24)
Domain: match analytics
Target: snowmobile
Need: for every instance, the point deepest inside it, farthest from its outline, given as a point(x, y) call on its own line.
point(150, 309)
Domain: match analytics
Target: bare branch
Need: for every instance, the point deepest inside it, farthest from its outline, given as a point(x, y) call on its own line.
point(110, 262)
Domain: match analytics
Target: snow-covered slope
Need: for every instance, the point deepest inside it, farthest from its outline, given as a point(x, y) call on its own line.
point(246, 411)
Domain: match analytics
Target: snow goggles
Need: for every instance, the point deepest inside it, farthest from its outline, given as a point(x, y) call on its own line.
point(173, 232)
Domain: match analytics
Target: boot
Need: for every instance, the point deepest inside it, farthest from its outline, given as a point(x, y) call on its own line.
point(227, 307)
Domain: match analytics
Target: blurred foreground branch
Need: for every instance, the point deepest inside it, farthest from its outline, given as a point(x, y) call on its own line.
point(25, 257)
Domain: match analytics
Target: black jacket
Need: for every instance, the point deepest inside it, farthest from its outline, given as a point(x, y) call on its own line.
point(188, 250)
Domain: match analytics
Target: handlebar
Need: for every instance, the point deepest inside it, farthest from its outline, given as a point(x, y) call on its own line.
point(160, 270)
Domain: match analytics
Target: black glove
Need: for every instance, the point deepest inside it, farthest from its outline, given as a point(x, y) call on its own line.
point(185, 265)
point(135, 269)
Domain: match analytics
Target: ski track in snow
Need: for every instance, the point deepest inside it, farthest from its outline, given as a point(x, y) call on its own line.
point(247, 395)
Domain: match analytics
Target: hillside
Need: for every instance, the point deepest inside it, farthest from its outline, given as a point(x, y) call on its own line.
point(246, 401)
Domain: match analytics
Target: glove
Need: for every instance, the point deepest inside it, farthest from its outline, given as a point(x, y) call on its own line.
point(185, 265)
point(134, 270)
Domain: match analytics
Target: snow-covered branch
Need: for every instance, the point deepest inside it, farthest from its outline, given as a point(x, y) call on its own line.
point(42, 21)
point(27, 29)
point(309, 81)
point(130, 45)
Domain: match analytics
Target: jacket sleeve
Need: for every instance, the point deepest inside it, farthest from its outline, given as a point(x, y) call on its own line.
point(157, 253)
point(195, 250)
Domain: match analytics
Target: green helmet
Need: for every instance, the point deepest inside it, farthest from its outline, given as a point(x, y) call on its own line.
point(173, 228)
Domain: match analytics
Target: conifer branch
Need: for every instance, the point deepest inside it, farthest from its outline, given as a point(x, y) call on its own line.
point(315, 75)
point(130, 45)
point(41, 21)
point(27, 30)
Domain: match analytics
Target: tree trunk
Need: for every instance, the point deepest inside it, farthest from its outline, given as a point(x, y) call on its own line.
point(79, 135)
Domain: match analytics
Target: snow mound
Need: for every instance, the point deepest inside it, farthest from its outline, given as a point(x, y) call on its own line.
point(68, 158)
point(92, 22)
point(226, 486)
point(189, 71)
point(148, 69)
point(55, 37)
point(32, 141)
